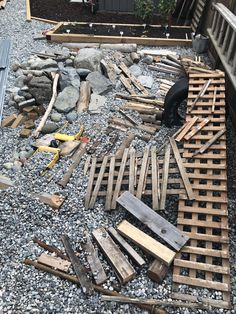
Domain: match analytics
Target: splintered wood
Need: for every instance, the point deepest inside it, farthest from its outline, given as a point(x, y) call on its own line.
point(155, 174)
point(204, 262)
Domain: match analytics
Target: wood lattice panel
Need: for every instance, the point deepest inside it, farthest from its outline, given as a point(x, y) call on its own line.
point(204, 261)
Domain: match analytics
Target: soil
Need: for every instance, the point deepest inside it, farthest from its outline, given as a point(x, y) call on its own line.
point(128, 31)
point(63, 10)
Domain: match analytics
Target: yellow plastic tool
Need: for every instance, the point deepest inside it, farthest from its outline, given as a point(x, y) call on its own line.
point(55, 151)
point(65, 137)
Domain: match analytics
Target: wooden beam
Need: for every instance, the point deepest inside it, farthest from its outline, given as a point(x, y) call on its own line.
point(165, 175)
point(153, 221)
point(125, 272)
point(146, 243)
point(126, 247)
point(55, 262)
point(157, 271)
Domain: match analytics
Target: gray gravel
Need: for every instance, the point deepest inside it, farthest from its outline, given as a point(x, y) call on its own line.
point(24, 289)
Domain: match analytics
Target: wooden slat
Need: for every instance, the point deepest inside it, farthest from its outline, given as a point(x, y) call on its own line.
point(196, 129)
point(54, 261)
point(155, 222)
point(165, 174)
point(126, 247)
point(147, 243)
point(110, 183)
point(142, 173)
point(188, 127)
point(132, 171)
point(125, 272)
point(155, 178)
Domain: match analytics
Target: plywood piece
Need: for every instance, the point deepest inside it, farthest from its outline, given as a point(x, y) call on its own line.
point(55, 262)
point(152, 220)
point(146, 243)
point(125, 272)
point(126, 247)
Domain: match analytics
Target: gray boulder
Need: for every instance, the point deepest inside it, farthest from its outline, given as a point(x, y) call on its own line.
point(99, 83)
point(146, 81)
point(69, 77)
point(67, 99)
point(46, 64)
point(41, 89)
point(49, 127)
point(136, 70)
point(88, 58)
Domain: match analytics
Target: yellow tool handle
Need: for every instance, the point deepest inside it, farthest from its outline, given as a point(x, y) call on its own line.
point(48, 149)
point(65, 137)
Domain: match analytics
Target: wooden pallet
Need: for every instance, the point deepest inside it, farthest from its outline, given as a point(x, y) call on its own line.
point(151, 174)
point(204, 261)
point(199, 8)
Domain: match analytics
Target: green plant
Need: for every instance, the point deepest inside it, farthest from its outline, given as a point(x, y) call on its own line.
point(166, 8)
point(144, 9)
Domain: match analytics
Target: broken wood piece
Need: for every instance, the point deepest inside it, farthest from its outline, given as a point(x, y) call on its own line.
point(141, 99)
point(133, 79)
point(8, 121)
point(153, 221)
point(157, 271)
point(108, 70)
point(146, 243)
point(126, 247)
point(50, 105)
point(142, 173)
point(117, 127)
point(125, 81)
point(125, 272)
point(94, 262)
point(131, 120)
point(24, 133)
point(196, 129)
point(84, 96)
point(210, 142)
point(165, 175)
point(5, 183)
point(182, 170)
point(51, 248)
point(126, 123)
point(79, 269)
point(201, 94)
point(110, 183)
point(55, 262)
point(66, 148)
point(53, 200)
point(77, 158)
point(188, 125)
point(141, 108)
point(18, 121)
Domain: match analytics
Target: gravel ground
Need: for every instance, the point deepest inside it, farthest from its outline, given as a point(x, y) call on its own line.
point(26, 290)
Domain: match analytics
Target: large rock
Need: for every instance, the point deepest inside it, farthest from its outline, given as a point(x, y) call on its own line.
point(99, 83)
point(69, 77)
point(146, 81)
point(41, 89)
point(89, 58)
point(136, 70)
point(47, 64)
point(67, 99)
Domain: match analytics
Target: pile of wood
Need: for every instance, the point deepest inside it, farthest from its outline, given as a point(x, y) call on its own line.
point(26, 118)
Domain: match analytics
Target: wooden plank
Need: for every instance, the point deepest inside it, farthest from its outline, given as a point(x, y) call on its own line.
point(28, 11)
point(90, 182)
point(145, 242)
point(182, 170)
point(201, 94)
point(110, 183)
point(126, 247)
point(53, 200)
point(157, 271)
point(8, 120)
point(132, 171)
point(98, 182)
point(119, 179)
point(188, 127)
point(125, 272)
point(94, 262)
point(165, 177)
point(77, 266)
point(197, 282)
point(153, 221)
point(142, 173)
point(214, 100)
point(202, 266)
point(196, 129)
point(18, 121)
point(155, 178)
point(53, 261)
point(125, 81)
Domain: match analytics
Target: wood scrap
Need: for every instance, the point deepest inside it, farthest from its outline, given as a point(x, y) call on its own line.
point(18, 121)
point(157, 271)
point(196, 129)
point(155, 178)
point(214, 100)
point(143, 100)
point(126, 82)
point(153, 221)
point(68, 147)
point(51, 248)
point(8, 120)
point(131, 120)
point(108, 69)
point(5, 182)
point(90, 182)
point(79, 269)
point(94, 262)
point(165, 174)
point(126, 123)
point(200, 94)
point(146, 243)
point(188, 125)
point(53, 200)
point(55, 262)
point(143, 170)
point(141, 108)
point(125, 272)
point(126, 247)
point(50, 105)
point(110, 183)
point(84, 97)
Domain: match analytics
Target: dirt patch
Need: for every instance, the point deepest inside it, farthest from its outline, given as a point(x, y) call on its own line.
point(126, 31)
point(63, 10)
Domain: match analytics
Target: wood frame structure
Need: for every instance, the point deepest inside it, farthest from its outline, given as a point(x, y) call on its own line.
point(53, 36)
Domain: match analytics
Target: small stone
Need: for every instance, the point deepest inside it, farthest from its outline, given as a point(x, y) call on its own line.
point(135, 69)
point(29, 124)
point(17, 165)
point(69, 63)
point(8, 165)
point(25, 133)
point(19, 99)
point(20, 81)
point(15, 66)
point(148, 60)
point(72, 116)
point(49, 127)
point(56, 117)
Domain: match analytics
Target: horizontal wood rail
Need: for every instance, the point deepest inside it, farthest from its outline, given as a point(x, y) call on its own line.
point(223, 36)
